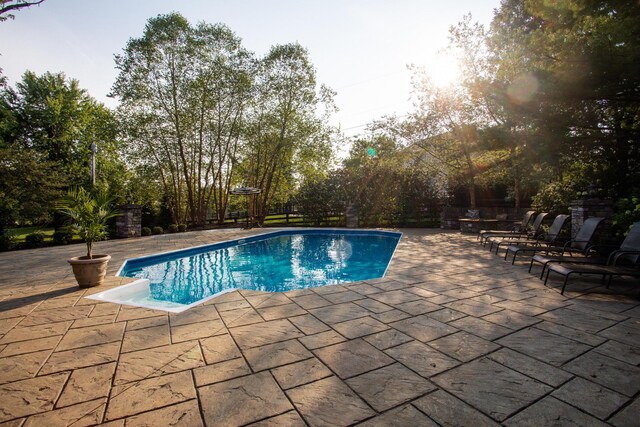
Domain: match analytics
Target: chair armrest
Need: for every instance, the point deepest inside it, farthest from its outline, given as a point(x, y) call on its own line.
point(615, 255)
point(567, 246)
point(603, 249)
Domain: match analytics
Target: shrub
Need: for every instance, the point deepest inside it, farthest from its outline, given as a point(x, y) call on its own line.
point(182, 228)
point(62, 237)
point(555, 197)
point(7, 240)
point(34, 240)
point(146, 231)
point(173, 228)
point(157, 230)
point(626, 212)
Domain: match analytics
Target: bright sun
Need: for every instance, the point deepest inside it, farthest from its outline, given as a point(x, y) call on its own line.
point(443, 70)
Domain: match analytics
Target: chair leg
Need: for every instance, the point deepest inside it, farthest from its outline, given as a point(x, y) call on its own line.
point(609, 281)
point(564, 285)
point(544, 267)
point(506, 254)
point(530, 265)
point(513, 260)
point(547, 277)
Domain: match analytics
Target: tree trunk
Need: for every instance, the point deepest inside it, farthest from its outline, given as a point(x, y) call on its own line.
point(472, 193)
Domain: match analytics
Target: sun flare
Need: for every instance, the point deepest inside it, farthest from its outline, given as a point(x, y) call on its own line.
point(443, 70)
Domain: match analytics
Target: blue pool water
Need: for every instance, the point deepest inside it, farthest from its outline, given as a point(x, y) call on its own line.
point(273, 262)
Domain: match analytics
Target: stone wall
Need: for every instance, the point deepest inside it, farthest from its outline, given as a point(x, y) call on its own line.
point(583, 209)
point(129, 222)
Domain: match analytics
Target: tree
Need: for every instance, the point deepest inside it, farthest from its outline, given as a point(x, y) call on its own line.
point(29, 186)
point(53, 116)
point(286, 138)
point(183, 93)
point(8, 6)
point(446, 125)
point(577, 65)
point(387, 179)
point(47, 124)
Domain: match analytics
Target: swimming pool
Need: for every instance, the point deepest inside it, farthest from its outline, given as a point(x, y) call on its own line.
point(271, 262)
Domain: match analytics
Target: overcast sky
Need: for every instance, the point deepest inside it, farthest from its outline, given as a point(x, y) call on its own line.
point(360, 48)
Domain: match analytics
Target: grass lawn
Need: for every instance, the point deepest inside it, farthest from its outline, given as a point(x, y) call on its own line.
point(21, 233)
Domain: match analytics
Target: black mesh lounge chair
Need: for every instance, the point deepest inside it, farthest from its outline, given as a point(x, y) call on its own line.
point(581, 245)
point(612, 267)
point(519, 228)
point(532, 234)
point(543, 243)
point(610, 270)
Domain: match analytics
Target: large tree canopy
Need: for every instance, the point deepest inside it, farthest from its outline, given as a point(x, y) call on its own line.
point(183, 92)
point(48, 123)
point(197, 105)
point(572, 69)
point(286, 138)
point(550, 93)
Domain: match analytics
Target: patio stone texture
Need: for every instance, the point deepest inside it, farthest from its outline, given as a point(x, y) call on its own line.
point(452, 335)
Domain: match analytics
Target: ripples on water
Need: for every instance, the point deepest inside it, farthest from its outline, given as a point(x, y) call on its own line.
point(276, 264)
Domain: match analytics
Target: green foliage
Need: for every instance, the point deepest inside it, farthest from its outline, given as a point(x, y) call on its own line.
point(388, 183)
point(63, 236)
point(7, 240)
point(54, 117)
point(626, 212)
point(88, 215)
point(47, 124)
point(157, 230)
point(568, 73)
point(34, 240)
point(554, 197)
point(145, 231)
point(184, 93)
point(287, 140)
point(182, 228)
point(29, 185)
point(173, 228)
point(320, 198)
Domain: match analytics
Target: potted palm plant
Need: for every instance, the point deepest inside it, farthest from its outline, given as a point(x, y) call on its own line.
point(88, 215)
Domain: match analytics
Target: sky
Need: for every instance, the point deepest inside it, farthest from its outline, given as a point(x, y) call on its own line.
point(360, 48)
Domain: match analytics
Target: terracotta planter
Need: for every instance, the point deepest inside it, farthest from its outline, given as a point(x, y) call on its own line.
point(90, 272)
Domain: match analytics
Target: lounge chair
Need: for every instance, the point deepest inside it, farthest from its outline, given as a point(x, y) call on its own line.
point(612, 268)
point(532, 234)
point(601, 270)
point(519, 228)
point(581, 245)
point(543, 243)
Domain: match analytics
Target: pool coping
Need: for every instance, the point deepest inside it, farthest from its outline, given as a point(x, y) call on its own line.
point(104, 296)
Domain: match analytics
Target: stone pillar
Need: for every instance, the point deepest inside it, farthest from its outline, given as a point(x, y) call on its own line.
point(583, 209)
point(129, 222)
point(352, 216)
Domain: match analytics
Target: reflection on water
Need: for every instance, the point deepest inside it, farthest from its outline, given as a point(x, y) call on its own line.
point(277, 264)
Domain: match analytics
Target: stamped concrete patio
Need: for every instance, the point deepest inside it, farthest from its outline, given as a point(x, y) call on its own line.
point(452, 335)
